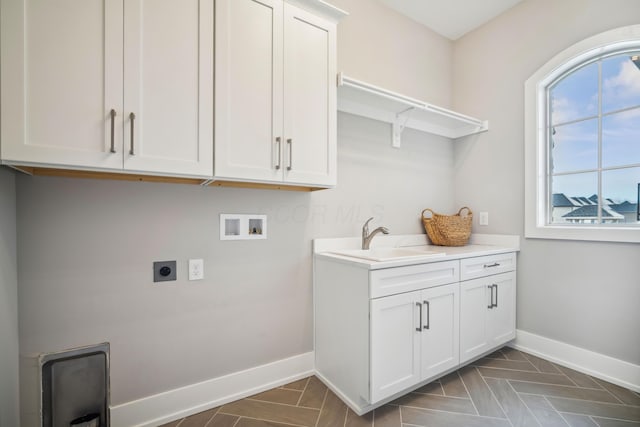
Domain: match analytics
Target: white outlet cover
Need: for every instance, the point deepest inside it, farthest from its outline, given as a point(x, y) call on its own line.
point(484, 218)
point(196, 269)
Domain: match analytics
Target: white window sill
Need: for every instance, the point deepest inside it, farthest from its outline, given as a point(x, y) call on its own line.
point(594, 233)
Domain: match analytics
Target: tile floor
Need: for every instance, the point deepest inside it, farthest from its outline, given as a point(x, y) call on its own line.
point(508, 388)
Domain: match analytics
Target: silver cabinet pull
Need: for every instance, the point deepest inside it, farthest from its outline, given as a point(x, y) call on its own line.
point(132, 117)
point(493, 304)
point(279, 142)
point(426, 303)
point(112, 113)
point(495, 264)
point(491, 298)
point(290, 142)
point(419, 328)
point(496, 304)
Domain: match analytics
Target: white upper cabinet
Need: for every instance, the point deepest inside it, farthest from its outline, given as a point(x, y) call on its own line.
point(275, 94)
point(168, 78)
point(66, 65)
point(61, 76)
point(248, 136)
point(309, 98)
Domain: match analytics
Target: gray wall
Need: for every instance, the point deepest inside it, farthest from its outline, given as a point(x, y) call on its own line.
point(581, 293)
point(9, 413)
point(382, 47)
point(86, 250)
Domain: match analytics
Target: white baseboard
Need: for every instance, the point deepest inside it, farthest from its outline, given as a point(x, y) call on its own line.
point(598, 365)
point(181, 402)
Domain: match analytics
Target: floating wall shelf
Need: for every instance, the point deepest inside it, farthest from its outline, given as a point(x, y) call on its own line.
point(363, 99)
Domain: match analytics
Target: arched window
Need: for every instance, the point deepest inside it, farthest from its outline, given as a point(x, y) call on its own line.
point(582, 141)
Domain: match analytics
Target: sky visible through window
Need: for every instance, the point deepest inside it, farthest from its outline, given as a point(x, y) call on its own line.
point(574, 130)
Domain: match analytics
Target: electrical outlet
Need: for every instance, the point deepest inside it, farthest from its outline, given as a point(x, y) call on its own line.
point(484, 218)
point(196, 269)
point(164, 271)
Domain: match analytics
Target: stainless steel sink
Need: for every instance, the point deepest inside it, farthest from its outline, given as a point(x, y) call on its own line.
point(388, 254)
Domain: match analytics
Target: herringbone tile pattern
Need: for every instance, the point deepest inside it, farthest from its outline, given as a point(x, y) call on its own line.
point(508, 388)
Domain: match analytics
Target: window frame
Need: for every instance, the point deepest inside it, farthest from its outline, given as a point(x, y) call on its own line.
point(537, 191)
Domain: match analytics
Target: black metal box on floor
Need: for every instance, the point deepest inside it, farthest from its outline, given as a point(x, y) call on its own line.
point(75, 387)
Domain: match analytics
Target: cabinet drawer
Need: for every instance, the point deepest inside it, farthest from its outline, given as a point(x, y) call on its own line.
point(471, 268)
point(406, 279)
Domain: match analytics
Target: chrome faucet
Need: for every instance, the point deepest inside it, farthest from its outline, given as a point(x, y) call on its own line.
point(366, 237)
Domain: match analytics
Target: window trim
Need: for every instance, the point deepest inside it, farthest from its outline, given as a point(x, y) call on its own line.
point(535, 149)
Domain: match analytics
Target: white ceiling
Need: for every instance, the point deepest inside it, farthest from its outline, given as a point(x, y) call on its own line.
point(451, 18)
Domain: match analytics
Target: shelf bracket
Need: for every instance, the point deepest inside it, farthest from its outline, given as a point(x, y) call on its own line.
point(398, 125)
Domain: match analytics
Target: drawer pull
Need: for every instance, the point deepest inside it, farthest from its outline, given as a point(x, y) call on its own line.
point(426, 303)
point(490, 306)
point(290, 143)
point(419, 328)
point(495, 264)
point(496, 304)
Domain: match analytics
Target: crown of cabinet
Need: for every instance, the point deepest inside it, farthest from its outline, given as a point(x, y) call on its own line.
point(320, 8)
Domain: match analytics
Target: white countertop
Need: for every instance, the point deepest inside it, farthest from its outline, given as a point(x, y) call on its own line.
point(480, 245)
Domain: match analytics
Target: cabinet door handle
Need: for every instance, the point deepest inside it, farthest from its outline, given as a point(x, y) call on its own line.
point(112, 113)
point(419, 328)
point(495, 264)
point(132, 117)
point(496, 304)
point(426, 303)
point(491, 298)
point(279, 142)
point(290, 142)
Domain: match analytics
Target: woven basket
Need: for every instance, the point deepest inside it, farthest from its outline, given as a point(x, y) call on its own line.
point(448, 230)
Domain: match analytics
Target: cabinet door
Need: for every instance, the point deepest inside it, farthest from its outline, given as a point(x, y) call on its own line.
point(487, 314)
point(168, 77)
point(440, 329)
point(249, 143)
point(501, 320)
point(474, 305)
point(309, 98)
point(61, 76)
point(395, 344)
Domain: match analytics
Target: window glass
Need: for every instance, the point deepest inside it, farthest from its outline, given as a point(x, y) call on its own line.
point(621, 191)
point(621, 138)
point(574, 147)
point(576, 185)
point(620, 82)
point(575, 96)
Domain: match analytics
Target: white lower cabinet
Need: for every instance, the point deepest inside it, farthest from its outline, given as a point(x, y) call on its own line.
point(414, 336)
point(422, 322)
point(487, 314)
point(395, 344)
